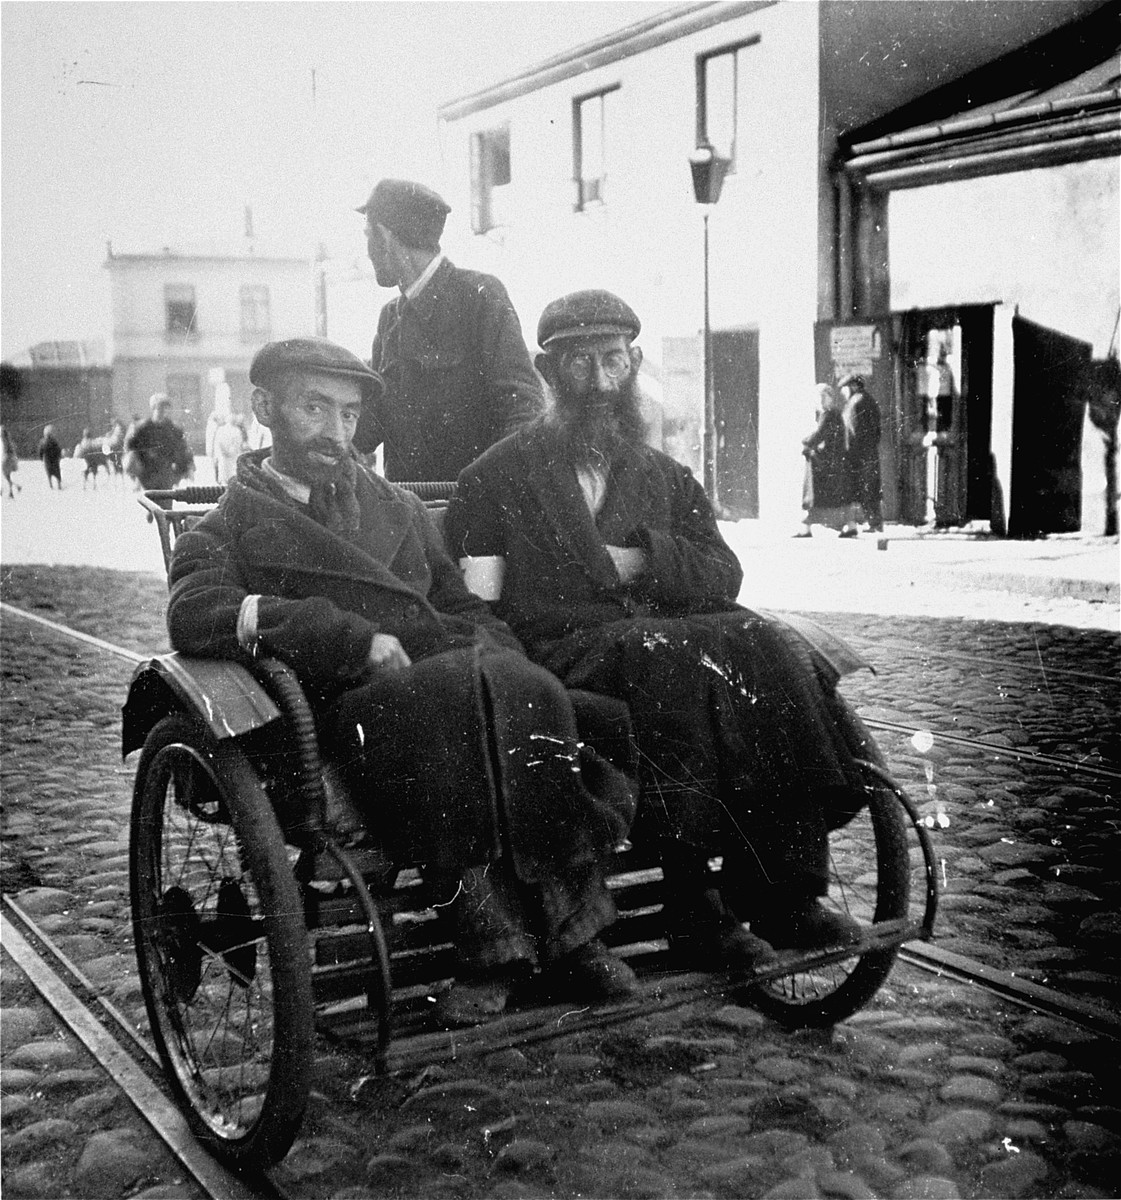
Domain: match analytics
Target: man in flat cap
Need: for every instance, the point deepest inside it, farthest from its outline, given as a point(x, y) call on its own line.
point(604, 556)
point(862, 433)
point(312, 559)
point(457, 373)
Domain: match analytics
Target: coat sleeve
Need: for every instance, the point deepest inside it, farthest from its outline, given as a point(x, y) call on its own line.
point(370, 434)
point(450, 596)
point(474, 525)
point(690, 567)
point(322, 642)
point(812, 444)
point(514, 392)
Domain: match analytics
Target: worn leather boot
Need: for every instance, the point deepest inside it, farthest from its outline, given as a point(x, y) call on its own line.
point(807, 925)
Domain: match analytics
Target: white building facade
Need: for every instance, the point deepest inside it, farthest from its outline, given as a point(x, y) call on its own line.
point(576, 174)
point(189, 325)
point(585, 182)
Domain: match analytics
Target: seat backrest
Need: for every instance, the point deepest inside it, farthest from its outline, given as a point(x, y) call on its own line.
point(175, 510)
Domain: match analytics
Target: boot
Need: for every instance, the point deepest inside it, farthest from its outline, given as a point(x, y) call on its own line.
point(806, 925)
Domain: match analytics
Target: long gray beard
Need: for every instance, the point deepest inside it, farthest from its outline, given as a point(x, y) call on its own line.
point(591, 436)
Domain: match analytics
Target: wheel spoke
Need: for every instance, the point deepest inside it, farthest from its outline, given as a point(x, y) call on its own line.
point(206, 952)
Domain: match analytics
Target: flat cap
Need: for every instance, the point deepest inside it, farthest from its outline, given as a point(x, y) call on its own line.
point(278, 359)
point(851, 381)
point(591, 313)
point(415, 213)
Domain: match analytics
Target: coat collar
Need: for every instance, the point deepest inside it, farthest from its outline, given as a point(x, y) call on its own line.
point(428, 302)
point(386, 513)
point(553, 482)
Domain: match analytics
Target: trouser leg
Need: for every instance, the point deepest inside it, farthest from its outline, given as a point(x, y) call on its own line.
point(501, 924)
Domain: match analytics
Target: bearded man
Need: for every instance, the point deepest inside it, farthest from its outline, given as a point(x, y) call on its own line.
point(465, 755)
point(604, 556)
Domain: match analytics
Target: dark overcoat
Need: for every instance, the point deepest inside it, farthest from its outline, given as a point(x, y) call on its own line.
point(829, 479)
point(477, 748)
point(457, 376)
point(158, 454)
point(864, 426)
point(739, 727)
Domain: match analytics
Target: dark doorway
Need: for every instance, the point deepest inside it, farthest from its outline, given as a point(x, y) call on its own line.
point(1047, 414)
point(735, 382)
point(945, 416)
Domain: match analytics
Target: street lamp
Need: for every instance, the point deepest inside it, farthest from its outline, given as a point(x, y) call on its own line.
point(708, 169)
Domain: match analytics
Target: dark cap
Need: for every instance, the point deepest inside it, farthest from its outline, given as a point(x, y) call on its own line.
point(592, 313)
point(272, 362)
point(856, 382)
point(416, 214)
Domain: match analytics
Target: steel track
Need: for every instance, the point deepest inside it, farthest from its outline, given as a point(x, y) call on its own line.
point(975, 660)
point(953, 739)
point(118, 1050)
point(130, 1061)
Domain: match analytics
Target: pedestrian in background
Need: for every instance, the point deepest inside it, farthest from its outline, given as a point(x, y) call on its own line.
point(457, 373)
point(10, 461)
point(90, 451)
point(863, 426)
point(114, 448)
point(229, 444)
point(158, 454)
point(257, 436)
point(828, 490)
point(50, 451)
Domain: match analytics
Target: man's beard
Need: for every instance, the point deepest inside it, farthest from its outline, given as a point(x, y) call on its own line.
point(317, 462)
point(594, 427)
point(334, 495)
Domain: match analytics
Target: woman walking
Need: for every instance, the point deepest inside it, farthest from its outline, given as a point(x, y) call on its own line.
point(829, 489)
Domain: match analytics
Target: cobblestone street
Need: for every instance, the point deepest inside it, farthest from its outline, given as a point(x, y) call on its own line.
point(934, 1090)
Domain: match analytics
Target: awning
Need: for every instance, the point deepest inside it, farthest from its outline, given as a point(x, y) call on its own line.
point(1070, 116)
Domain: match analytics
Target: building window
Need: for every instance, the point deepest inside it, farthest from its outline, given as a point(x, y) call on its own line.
point(180, 311)
point(723, 85)
point(490, 178)
point(185, 392)
point(590, 129)
point(256, 322)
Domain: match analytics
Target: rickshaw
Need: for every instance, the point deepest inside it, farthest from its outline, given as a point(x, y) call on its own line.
point(265, 913)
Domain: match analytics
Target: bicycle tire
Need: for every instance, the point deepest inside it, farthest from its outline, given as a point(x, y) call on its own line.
point(221, 944)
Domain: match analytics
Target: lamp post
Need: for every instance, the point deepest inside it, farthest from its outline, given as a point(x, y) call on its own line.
point(708, 169)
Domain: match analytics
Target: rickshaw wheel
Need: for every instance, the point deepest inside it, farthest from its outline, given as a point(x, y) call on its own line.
point(869, 880)
point(221, 944)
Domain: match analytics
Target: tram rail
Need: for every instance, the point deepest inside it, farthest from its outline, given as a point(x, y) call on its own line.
point(898, 727)
point(129, 1060)
point(77, 1002)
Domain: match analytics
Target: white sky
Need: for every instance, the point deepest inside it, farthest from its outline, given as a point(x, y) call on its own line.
point(155, 124)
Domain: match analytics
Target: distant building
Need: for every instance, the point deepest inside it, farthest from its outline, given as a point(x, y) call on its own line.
point(187, 324)
point(868, 213)
point(69, 395)
point(67, 354)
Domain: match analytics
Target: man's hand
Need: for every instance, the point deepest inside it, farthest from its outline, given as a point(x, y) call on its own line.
point(629, 561)
point(387, 654)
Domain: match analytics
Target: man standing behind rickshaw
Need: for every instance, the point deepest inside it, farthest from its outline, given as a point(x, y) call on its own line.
point(450, 349)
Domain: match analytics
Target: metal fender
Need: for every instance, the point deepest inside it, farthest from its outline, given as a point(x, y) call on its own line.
point(222, 694)
point(836, 652)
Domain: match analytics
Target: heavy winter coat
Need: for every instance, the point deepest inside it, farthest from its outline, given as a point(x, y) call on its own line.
point(475, 749)
point(457, 373)
point(744, 745)
point(158, 454)
point(829, 481)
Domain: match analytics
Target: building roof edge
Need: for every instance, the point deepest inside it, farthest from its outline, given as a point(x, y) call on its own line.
point(643, 35)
